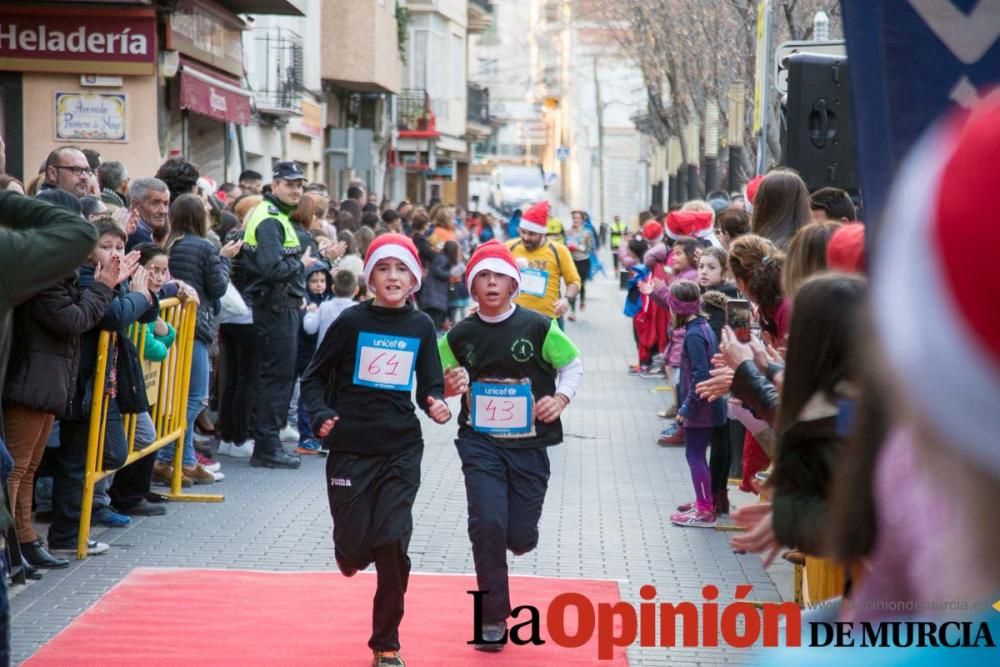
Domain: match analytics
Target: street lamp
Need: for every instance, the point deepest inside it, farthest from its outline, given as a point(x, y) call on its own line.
point(737, 112)
point(821, 26)
point(711, 145)
point(691, 138)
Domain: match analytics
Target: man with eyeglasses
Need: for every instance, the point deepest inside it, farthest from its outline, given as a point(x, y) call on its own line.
point(66, 168)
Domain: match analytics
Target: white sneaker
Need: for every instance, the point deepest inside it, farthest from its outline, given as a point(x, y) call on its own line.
point(225, 446)
point(289, 434)
point(243, 451)
point(94, 548)
point(213, 467)
point(219, 476)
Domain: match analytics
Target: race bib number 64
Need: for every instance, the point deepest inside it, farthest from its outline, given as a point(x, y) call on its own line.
point(385, 361)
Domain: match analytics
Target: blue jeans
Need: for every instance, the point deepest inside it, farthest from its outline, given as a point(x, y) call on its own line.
point(197, 400)
point(69, 463)
point(304, 423)
point(145, 433)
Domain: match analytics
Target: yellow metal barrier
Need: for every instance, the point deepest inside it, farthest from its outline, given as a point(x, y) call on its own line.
point(168, 409)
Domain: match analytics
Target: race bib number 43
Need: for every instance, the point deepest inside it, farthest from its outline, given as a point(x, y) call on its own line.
point(502, 409)
point(385, 361)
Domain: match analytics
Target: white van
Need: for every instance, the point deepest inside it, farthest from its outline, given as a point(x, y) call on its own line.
point(516, 187)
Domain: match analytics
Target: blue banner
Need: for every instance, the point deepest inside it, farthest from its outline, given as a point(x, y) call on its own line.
point(911, 60)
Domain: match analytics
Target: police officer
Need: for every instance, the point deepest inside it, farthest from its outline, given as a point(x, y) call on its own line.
point(272, 259)
point(618, 231)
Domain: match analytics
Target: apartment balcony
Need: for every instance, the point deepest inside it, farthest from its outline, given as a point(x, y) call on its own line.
point(479, 16)
point(351, 58)
point(478, 104)
point(278, 82)
point(415, 116)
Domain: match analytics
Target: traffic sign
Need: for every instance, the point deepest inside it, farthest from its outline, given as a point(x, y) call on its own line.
point(834, 47)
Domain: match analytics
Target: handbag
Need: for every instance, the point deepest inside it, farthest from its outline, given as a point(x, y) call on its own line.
point(233, 307)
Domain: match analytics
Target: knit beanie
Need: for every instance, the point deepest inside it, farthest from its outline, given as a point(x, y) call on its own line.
point(846, 249)
point(394, 246)
point(496, 257)
point(689, 223)
point(935, 282)
point(536, 218)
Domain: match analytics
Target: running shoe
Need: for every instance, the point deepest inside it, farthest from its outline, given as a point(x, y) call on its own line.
point(672, 435)
point(208, 463)
point(309, 447)
point(694, 519)
point(387, 659)
point(105, 516)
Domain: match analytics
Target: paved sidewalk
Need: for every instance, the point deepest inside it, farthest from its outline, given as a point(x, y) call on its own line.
point(606, 516)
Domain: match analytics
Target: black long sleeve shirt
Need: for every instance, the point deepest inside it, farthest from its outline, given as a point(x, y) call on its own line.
point(370, 345)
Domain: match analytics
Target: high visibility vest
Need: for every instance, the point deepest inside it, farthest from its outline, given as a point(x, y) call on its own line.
point(618, 229)
point(262, 212)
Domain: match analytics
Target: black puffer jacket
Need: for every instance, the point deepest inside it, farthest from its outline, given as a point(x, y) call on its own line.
point(45, 349)
point(197, 262)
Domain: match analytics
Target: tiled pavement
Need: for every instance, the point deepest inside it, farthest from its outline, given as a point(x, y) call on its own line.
point(606, 516)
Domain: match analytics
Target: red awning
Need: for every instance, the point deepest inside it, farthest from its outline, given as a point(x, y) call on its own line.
point(214, 95)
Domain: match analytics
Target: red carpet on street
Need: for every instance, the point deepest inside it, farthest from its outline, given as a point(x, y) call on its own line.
point(243, 617)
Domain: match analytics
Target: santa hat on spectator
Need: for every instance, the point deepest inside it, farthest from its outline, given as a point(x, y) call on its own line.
point(752, 187)
point(393, 246)
point(846, 249)
point(689, 223)
point(936, 280)
point(652, 231)
point(496, 257)
point(536, 218)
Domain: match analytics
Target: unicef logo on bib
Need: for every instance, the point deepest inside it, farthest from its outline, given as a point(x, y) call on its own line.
point(385, 361)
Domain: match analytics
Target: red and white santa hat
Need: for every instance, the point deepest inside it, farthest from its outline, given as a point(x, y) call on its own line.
point(536, 218)
point(496, 257)
point(394, 246)
point(689, 223)
point(936, 281)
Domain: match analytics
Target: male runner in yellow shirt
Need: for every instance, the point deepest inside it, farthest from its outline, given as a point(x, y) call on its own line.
point(544, 265)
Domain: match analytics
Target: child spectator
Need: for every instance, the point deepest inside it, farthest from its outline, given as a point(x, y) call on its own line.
point(130, 490)
point(319, 290)
point(41, 382)
point(715, 295)
point(683, 262)
point(696, 417)
point(131, 304)
point(345, 291)
point(357, 390)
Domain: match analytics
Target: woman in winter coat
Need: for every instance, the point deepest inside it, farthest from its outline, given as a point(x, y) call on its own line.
point(194, 260)
point(41, 382)
point(819, 374)
point(433, 295)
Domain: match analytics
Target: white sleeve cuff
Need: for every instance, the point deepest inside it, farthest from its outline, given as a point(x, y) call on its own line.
point(569, 377)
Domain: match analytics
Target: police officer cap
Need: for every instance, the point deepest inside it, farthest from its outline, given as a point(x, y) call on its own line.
point(289, 171)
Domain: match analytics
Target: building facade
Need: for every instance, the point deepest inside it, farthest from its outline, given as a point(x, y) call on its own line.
point(136, 80)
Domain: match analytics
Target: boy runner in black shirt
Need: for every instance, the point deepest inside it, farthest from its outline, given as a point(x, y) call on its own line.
point(524, 371)
point(357, 389)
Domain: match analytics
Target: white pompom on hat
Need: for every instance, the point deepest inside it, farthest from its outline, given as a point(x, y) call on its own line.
point(395, 246)
point(496, 257)
point(936, 281)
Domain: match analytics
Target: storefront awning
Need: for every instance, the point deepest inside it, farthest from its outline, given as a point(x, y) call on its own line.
point(214, 95)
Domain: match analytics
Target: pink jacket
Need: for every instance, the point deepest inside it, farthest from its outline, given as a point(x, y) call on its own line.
point(675, 343)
